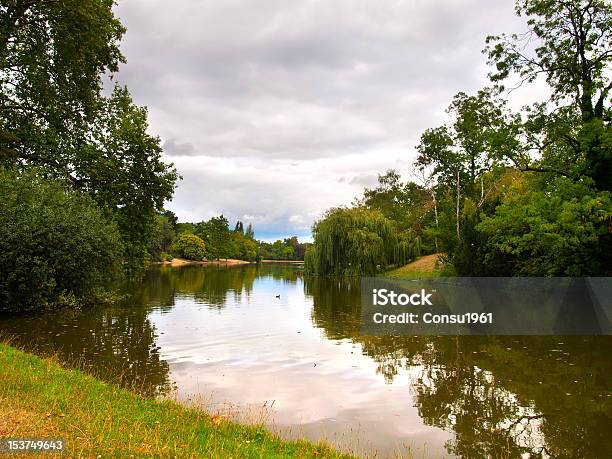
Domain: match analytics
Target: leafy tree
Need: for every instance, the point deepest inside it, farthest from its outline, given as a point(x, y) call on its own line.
point(247, 250)
point(122, 168)
point(162, 237)
point(250, 232)
point(355, 241)
point(172, 219)
point(216, 233)
point(285, 249)
point(53, 117)
point(565, 232)
point(52, 57)
point(189, 246)
point(408, 205)
point(56, 246)
point(568, 43)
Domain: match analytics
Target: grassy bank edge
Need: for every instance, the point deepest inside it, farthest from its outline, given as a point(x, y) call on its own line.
point(425, 266)
point(41, 399)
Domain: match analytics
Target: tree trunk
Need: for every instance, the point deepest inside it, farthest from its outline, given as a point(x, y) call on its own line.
point(457, 207)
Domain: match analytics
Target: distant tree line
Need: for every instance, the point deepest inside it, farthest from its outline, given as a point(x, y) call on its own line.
point(285, 249)
point(214, 239)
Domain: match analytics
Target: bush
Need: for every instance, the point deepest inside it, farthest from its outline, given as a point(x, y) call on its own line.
point(54, 244)
point(564, 231)
point(189, 246)
point(165, 256)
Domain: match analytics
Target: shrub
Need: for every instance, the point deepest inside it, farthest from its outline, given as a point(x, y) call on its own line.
point(189, 246)
point(165, 256)
point(54, 244)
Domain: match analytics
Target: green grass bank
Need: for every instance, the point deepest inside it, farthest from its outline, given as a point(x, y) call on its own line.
point(41, 399)
point(425, 266)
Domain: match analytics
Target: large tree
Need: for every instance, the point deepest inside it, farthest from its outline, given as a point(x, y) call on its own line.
point(53, 55)
point(569, 44)
point(54, 117)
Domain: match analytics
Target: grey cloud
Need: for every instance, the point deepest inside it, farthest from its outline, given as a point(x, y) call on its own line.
point(366, 180)
point(340, 87)
point(173, 148)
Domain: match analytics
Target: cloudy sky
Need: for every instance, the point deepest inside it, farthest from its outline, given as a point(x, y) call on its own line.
point(275, 110)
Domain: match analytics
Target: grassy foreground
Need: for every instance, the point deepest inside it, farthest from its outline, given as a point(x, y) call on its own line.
point(40, 399)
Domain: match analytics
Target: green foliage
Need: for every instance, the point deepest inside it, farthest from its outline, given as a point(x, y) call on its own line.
point(53, 116)
point(164, 256)
point(189, 246)
point(355, 241)
point(55, 245)
point(408, 205)
point(52, 57)
point(562, 231)
point(285, 249)
point(216, 233)
point(570, 43)
point(163, 235)
point(122, 168)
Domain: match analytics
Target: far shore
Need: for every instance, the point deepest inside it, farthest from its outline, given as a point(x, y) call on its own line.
point(224, 261)
point(297, 262)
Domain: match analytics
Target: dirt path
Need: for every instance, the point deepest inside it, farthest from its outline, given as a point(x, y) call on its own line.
point(426, 263)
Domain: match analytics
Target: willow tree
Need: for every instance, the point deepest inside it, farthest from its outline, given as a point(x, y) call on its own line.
point(355, 241)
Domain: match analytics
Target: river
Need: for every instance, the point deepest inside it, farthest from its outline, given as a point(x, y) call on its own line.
point(266, 344)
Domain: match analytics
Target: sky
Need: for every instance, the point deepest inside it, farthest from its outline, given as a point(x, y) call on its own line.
point(274, 111)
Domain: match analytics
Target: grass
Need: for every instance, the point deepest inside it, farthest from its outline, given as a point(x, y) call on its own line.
point(426, 266)
point(41, 399)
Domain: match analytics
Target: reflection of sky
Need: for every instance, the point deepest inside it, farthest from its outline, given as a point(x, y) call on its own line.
point(260, 349)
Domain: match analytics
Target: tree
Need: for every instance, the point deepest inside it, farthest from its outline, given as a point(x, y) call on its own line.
point(52, 57)
point(408, 205)
point(216, 233)
point(122, 168)
point(459, 156)
point(355, 241)
point(172, 219)
point(163, 235)
point(56, 246)
point(189, 246)
point(560, 232)
point(53, 117)
point(569, 44)
point(250, 232)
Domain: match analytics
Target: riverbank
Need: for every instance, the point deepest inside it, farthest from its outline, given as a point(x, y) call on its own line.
point(40, 399)
point(184, 262)
point(223, 262)
point(425, 266)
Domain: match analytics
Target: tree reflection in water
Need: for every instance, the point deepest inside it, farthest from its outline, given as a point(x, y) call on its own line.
point(502, 396)
point(116, 344)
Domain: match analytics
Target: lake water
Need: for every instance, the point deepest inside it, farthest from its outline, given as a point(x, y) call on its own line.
point(265, 343)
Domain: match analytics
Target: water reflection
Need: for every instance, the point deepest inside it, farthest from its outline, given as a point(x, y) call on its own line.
point(501, 396)
point(223, 330)
point(117, 344)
